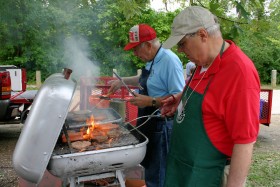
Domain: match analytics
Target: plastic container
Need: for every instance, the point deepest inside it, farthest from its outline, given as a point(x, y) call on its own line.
point(135, 183)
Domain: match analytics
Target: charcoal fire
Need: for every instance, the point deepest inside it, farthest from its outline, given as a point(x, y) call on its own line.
point(95, 137)
point(123, 138)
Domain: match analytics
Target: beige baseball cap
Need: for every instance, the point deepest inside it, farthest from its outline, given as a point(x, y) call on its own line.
point(188, 21)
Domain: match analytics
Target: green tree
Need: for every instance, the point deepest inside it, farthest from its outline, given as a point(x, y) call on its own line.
point(36, 34)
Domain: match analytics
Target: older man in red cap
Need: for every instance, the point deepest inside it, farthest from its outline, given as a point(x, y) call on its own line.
point(162, 76)
point(217, 118)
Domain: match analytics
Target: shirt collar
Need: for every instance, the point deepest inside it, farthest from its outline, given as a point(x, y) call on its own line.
point(156, 59)
point(215, 67)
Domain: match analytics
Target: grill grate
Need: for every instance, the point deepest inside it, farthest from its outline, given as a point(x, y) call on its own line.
point(125, 138)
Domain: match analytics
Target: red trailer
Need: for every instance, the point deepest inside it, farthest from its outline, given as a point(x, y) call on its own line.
point(100, 86)
point(265, 106)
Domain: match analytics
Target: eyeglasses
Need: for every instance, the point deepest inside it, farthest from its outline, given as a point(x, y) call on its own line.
point(183, 40)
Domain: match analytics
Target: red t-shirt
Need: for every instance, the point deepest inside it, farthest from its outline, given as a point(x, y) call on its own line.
point(231, 103)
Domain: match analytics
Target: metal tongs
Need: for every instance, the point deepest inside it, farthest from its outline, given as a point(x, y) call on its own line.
point(130, 91)
point(111, 99)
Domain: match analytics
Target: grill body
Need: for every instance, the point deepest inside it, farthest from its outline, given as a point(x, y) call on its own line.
point(33, 153)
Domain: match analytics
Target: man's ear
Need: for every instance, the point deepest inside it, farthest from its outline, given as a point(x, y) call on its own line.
point(203, 34)
point(149, 44)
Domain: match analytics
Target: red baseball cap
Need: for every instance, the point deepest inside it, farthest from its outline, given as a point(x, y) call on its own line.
point(139, 34)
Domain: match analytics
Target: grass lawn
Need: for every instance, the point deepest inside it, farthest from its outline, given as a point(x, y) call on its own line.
point(265, 170)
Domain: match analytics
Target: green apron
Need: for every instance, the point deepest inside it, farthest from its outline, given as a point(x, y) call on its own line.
point(193, 161)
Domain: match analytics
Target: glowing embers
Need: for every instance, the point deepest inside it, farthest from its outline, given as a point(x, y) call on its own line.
point(92, 133)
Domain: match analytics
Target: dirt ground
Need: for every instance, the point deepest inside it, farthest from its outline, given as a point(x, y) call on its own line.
point(268, 139)
point(8, 137)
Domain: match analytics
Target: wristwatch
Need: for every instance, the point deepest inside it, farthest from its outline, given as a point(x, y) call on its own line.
point(154, 102)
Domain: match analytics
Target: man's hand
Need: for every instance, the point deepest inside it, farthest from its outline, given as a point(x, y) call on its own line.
point(141, 100)
point(115, 85)
point(170, 104)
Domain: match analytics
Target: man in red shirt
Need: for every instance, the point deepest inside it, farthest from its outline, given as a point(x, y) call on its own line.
point(217, 115)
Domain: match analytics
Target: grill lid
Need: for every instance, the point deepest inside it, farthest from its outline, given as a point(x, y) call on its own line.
point(42, 127)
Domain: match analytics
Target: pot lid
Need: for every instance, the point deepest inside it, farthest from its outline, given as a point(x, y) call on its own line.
point(42, 127)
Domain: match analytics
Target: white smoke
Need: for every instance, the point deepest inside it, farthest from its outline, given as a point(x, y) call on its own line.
point(77, 58)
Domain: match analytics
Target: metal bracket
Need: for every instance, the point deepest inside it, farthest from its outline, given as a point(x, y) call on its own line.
point(79, 181)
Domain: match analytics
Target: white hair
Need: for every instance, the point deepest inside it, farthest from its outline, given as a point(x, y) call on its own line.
point(214, 30)
point(155, 42)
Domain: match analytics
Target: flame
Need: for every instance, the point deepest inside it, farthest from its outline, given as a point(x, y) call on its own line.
point(91, 125)
point(109, 141)
point(88, 131)
point(90, 122)
point(92, 129)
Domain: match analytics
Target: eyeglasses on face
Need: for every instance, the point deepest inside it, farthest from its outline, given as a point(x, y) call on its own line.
point(183, 40)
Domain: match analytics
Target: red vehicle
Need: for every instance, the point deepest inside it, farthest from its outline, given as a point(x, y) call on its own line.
point(14, 98)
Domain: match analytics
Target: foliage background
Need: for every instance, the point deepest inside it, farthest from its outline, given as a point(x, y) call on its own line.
point(88, 36)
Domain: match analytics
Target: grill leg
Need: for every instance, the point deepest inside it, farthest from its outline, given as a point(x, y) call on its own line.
point(74, 184)
point(119, 175)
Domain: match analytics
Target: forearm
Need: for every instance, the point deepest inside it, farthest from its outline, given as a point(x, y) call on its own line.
point(147, 101)
point(134, 80)
point(240, 164)
point(174, 99)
